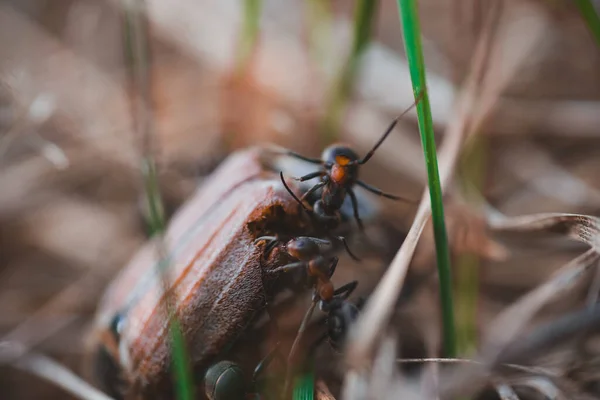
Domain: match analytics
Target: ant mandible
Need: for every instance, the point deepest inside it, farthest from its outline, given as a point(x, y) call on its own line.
point(338, 175)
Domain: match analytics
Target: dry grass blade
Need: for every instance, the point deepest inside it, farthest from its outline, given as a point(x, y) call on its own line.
point(50, 370)
point(541, 173)
point(584, 228)
point(542, 385)
point(505, 392)
point(379, 307)
point(504, 329)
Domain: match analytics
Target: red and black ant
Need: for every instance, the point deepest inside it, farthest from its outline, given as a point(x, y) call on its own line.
point(226, 379)
point(338, 175)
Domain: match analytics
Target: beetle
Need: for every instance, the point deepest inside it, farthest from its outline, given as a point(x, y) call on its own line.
point(339, 173)
point(220, 279)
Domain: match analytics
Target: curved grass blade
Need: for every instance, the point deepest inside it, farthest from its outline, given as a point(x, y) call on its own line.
point(412, 42)
point(584, 228)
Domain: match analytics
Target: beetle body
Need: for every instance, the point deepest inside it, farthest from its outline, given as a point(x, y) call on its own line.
point(216, 274)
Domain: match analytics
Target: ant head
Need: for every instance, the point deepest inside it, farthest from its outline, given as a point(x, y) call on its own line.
point(339, 154)
point(339, 321)
point(303, 248)
point(342, 163)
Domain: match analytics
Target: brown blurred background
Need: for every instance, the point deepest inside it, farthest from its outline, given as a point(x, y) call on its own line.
point(70, 182)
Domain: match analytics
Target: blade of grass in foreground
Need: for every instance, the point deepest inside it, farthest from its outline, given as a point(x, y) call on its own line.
point(412, 42)
point(138, 60)
point(305, 387)
point(590, 15)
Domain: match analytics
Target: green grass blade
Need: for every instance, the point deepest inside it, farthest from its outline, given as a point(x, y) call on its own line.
point(319, 28)
point(304, 388)
point(590, 15)
point(138, 63)
point(249, 33)
point(364, 16)
point(409, 18)
point(471, 176)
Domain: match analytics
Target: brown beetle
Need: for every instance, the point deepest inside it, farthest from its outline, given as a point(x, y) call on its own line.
point(218, 275)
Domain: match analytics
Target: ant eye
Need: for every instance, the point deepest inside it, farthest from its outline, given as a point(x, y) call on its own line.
point(224, 380)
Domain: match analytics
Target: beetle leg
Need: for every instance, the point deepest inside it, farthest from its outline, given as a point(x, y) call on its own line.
point(310, 176)
point(288, 267)
point(355, 208)
point(378, 192)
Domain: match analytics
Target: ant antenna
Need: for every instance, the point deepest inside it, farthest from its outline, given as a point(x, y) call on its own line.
point(389, 130)
point(309, 212)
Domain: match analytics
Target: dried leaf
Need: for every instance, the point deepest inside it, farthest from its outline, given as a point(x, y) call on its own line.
point(583, 228)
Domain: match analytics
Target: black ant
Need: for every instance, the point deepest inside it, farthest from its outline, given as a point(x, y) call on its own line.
point(338, 175)
point(226, 380)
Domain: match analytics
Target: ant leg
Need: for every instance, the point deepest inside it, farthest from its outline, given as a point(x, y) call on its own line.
point(352, 255)
point(318, 342)
point(310, 176)
point(271, 243)
point(313, 189)
point(288, 267)
point(265, 362)
point(355, 208)
point(345, 291)
point(378, 192)
point(266, 238)
point(296, 343)
point(303, 158)
point(334, 263)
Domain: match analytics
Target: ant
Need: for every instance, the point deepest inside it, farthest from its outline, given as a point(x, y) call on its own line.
point(339, 174)
point(311, 258)
point(225, 380)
